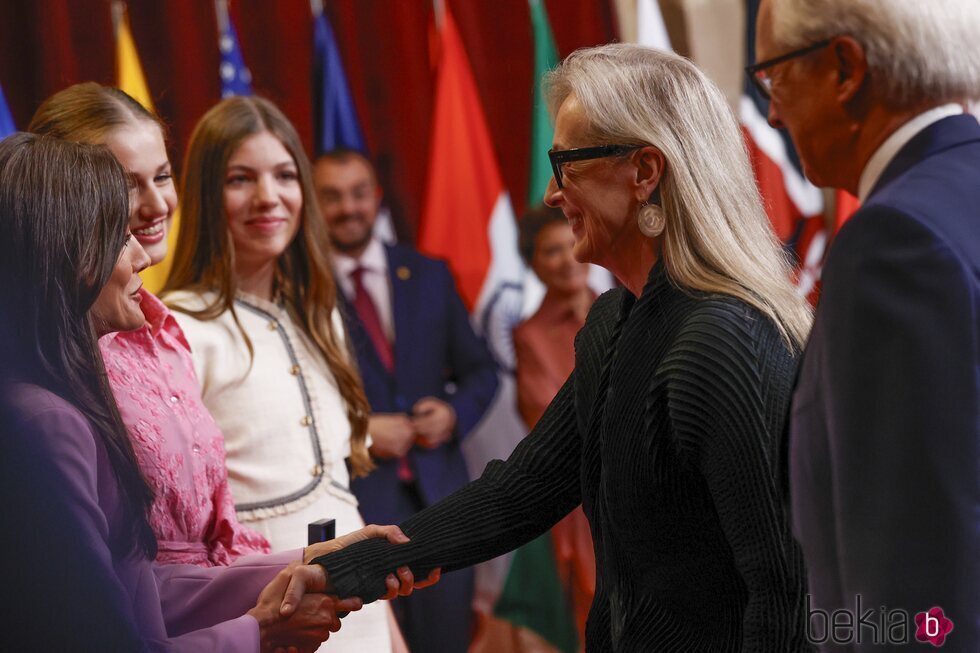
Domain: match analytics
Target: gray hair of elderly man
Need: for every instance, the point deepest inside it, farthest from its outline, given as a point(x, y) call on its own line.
point(918, 51)
point(717, 237)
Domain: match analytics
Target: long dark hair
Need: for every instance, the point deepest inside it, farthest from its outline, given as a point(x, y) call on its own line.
point(64, 210)
point(204, 256)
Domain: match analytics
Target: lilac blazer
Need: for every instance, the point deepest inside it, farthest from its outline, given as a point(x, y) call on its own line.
point(63, 587)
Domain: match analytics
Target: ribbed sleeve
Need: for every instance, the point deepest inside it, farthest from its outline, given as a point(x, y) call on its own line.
point(719, 418)
point(513, 502)
point(667, 432)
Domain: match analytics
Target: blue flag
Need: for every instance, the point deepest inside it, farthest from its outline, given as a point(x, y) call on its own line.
point(336, 119)
point(236, 79)
point(7, 126)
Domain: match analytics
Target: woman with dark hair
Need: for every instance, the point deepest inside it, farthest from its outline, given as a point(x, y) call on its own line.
point(75, 527)
point(252, 288)
point(177, 443)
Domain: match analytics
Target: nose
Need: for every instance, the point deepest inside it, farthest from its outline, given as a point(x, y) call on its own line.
point(772, 116)
point(552, 194)
point(141, 260)
point(347, 204)
point(152, 203)
point(265, 192)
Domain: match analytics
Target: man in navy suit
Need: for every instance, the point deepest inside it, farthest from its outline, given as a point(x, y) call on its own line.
point(883, 442)
point(427, 375)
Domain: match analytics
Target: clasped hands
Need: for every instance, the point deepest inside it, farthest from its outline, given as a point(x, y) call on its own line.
point(431, 424)
point(296, 612)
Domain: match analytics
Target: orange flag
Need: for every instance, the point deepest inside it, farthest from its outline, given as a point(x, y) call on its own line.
point(467, 217)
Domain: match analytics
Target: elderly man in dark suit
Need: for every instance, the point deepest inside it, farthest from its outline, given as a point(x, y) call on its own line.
point(883, 444)
point(427, 375)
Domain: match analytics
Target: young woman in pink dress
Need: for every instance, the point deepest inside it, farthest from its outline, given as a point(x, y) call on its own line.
point(179, 446)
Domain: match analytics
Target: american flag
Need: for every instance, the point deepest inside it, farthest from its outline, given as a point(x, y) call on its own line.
point(236, 79)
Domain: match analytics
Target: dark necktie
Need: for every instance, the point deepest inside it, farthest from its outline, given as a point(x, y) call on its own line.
point(368, 312)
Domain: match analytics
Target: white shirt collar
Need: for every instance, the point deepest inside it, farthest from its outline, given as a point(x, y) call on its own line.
point(900, 137)
point(373, 259)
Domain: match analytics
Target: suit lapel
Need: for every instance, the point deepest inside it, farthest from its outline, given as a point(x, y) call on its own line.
point(935, 138)
point(404, 287)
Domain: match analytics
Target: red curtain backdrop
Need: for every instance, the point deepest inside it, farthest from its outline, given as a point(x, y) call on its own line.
point(46, 45)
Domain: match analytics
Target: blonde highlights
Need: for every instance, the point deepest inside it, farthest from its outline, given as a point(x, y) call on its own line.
point(87, 112)
point(717, 238)
point(204, 258)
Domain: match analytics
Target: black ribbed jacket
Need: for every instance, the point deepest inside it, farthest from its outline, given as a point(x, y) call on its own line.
point(667, 432)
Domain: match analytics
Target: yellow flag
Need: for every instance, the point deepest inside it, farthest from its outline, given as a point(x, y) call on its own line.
point(129, 75)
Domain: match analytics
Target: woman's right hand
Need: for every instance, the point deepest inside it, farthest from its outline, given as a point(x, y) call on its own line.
point(308, 622)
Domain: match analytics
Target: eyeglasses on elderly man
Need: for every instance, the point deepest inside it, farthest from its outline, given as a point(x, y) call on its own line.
point(759, 72)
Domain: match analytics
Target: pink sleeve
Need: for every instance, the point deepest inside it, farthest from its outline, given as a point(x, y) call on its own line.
point(193, 597)
point(228, 538)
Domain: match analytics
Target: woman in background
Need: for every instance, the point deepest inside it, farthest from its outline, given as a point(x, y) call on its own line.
point(253, 291)
point(544, 347)
point(177, 443)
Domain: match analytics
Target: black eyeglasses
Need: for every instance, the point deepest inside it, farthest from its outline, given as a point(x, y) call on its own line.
point(560, 157)
point(761, 79)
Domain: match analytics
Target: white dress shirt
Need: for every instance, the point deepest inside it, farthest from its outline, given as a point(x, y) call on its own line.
point(893, 144)
point(375, 280)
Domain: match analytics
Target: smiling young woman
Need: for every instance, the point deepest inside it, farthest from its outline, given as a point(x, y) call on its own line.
point(147, 359)
point(253, 290)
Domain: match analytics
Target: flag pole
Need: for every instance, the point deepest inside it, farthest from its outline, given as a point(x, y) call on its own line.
point(221, 14)
point(118, 11)
point(439, 9)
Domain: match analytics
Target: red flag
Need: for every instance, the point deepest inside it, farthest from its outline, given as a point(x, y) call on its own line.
point(846, 205)
point(467, 218)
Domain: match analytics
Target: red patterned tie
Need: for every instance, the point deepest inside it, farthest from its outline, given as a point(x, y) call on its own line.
point(368, 312)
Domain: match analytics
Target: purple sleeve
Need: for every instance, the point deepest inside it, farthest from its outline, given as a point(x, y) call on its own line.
point(193, 597)
point(62, 528)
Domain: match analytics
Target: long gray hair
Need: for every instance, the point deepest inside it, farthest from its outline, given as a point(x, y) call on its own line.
point(718, 238)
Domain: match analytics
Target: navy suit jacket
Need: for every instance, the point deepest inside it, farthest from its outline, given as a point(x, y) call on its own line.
point(436, 354)
point(884, 478)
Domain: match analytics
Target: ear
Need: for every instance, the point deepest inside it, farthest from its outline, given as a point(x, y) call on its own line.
point(852, 67)
point(650, 166)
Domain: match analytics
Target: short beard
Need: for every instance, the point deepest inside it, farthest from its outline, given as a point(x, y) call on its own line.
point(346, 248)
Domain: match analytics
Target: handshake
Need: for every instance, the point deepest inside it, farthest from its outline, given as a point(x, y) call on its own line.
point(296, 611)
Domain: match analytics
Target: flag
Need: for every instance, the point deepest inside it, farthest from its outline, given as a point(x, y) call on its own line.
point(236, 79)
point(467, 217)
point(651, 30)
point(467, 220)
point(7, 126)
point(787, 195)
point(130, 79)
point(336, 119)
point(542, 127)
point(844, 207)
point(533, 606)
point(813, 244)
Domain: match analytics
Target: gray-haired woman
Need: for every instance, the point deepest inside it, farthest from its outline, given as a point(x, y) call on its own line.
point(668, 429)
